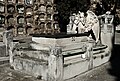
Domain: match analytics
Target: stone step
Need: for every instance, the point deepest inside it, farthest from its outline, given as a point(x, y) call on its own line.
point(33, 54)
point(59, 42)
point(99, 47)
point(2, 50)
point(65, 47)
point(34, 67)
point(4, 60)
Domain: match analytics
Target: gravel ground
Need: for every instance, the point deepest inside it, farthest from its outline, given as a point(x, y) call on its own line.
point(7, 74)
point(107, 72)
point(97, 74)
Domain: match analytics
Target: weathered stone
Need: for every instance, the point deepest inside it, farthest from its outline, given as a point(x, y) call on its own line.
point(7, 40)
point(55, 65)
point(31, 67)
point(2, 50)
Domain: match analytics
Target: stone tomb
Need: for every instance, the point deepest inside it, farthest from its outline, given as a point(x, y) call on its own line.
point(58, 57)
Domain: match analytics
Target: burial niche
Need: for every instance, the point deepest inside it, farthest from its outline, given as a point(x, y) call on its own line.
point(20, 30)
point(29, 21)
point(20, 1)
point(49, 9)
point(49, 16)
point(2, 19)
point(42, 8)
point(54, 8)
point(28, 11)
point(55, 17)
point(10, 8)
point(36, 7)
point(48, 25)
point(10, 28)
point(42, 25)
point(29, 2)
point(56, 25)
point(20, 20)
point(10, 19)
point(29, 30)
point(2, 8)
point(42, 16)
point(20, 9)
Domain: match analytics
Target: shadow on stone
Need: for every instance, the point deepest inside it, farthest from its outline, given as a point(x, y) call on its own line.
point(115, 62)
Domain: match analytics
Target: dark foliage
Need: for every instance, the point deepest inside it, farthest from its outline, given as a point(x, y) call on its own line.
point(67, 7)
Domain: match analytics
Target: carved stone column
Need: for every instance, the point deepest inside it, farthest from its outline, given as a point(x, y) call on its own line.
point(91, 44)
point(8, 40)
point(55, 66)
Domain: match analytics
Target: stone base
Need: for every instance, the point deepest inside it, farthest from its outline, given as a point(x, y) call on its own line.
point(36, 68)
point(57, 59)
point(2, 50)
